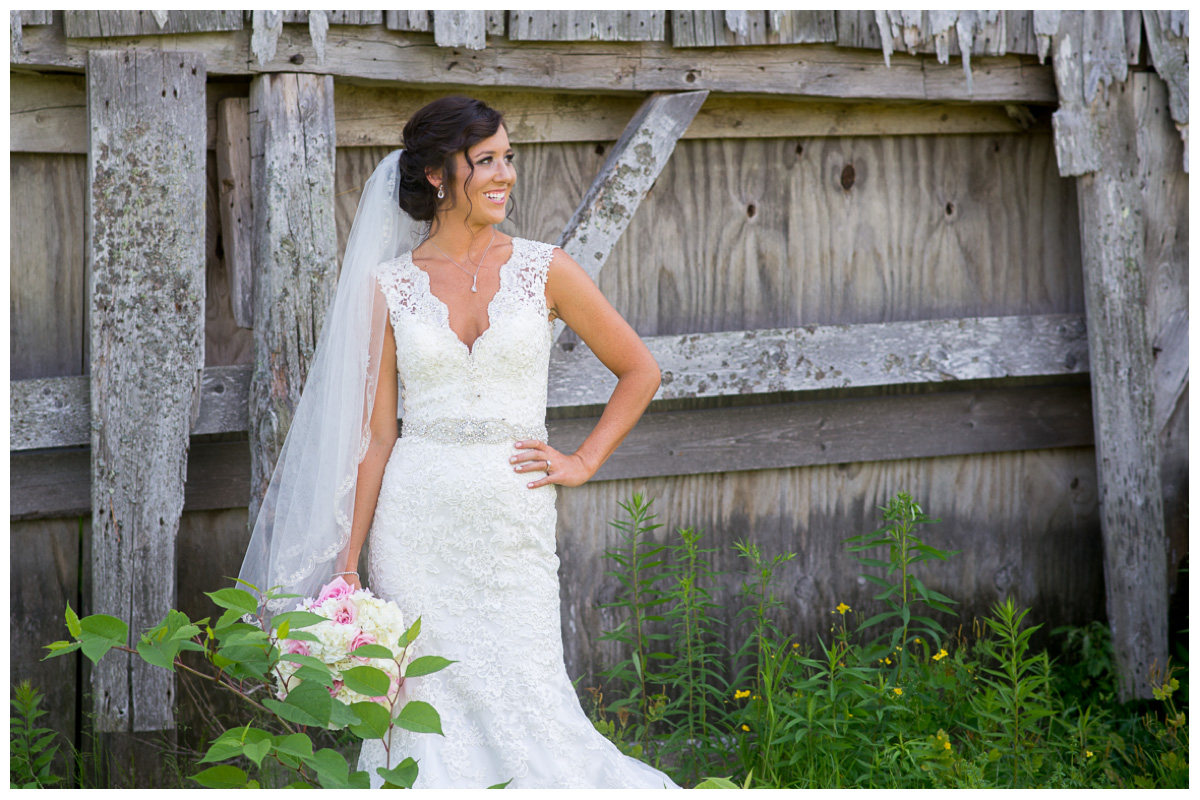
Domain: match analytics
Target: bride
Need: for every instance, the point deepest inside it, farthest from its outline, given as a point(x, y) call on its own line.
point(459, 510)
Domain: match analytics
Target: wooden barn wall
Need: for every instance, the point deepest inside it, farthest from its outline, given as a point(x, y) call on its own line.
point(737, 233)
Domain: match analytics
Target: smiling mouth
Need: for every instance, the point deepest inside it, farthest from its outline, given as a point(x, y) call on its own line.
point(496, 197)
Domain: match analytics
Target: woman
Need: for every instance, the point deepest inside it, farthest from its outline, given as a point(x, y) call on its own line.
point(460, 510)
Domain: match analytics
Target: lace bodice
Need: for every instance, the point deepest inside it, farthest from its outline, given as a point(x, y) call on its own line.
point(503, 375)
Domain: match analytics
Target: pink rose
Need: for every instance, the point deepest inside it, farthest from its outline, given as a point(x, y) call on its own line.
point(333, 690)
point(335, 588)
point(345, 612)
point(359, 640)
point(295, 647)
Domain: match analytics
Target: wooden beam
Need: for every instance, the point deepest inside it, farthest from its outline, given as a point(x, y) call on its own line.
point(838, 356)
point(237, 203)
point(78, 24)
point(295, 250)
point(682, 442)
point(53, 412)
point(582, 26)
point(412, 59)
point(631, 169)
point(1100, 147)
point(47, 114)
point(146, 239)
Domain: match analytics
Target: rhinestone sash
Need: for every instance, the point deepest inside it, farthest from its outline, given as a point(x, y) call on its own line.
point(455, 430)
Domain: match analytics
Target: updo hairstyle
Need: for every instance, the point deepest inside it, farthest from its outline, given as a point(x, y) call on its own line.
point(432, 136)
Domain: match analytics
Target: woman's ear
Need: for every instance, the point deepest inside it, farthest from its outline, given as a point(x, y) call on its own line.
point(434, 176)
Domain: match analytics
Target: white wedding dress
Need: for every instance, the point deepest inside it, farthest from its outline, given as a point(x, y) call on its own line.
point(459, 540)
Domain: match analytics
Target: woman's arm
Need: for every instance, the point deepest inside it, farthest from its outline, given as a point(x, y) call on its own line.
point(574, 298)
point(384, 432)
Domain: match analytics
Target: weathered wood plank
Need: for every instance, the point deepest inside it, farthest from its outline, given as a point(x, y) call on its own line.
point(737, 28)
point(147, 328)
point(83, 24)
point(466, 29)
point(1112, 231)
point(837, 356)
point(36, 17)
point(48, 115)
point(631, 169)
point(1165, 214)
point(53, 413)
point(827, 431)
point(57, 483)
point(408, 21)
point(49, 412)
point(51, 484)
point(225, 342)
point(47, 266)
point(844, 431)
point(596, 26)
point(295, 245)
point(236, 203)
point(44, 564)
point(1167, 38)
point(814, 70)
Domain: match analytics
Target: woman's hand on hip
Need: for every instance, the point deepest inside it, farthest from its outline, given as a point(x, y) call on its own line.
point(534, 457)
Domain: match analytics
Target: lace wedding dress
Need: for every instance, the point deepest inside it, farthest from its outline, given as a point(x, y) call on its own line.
point(460, 541)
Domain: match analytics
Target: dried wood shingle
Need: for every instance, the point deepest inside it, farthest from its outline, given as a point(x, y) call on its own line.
point(604, 26)
point(85, 24)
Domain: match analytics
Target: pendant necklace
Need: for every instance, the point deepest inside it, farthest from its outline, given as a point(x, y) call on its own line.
point(475, 276)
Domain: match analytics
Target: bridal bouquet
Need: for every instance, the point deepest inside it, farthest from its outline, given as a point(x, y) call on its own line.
point(355, 624)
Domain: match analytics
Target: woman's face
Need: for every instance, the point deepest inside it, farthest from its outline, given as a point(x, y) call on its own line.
point(482, 196)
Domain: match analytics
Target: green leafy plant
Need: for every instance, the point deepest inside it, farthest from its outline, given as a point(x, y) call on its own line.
point(244, 659)
point(31, 748)
point(639, 561)
point(1016, 703)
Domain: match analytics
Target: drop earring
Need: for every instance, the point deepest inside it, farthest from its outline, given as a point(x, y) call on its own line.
point(441, 193)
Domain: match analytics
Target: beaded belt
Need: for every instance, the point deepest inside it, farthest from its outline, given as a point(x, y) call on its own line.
point(455, 430)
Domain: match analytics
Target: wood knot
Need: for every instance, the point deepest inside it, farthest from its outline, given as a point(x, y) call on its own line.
point(298, 58)
point(751, 210)
point(847, 176)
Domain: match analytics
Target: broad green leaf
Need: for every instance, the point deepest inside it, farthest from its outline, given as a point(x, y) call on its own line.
point(367, 680)
point(106, 626)
point(373, 651)
point(419, 717)
point(224, 776)
point(307, 704)
point(235, 599)
point(321, 676)
point(296, 744)
point(343, 716)
point(73, 622)
point(409, 635)
point(375, 720)
point(401, 776)
point(501, 785)
point(156, 655)
point(332, 770)
point(221, 750)
point(60, 649)
point(716, 783)
point(297, 619)
point(426, 665)
point(95, 648)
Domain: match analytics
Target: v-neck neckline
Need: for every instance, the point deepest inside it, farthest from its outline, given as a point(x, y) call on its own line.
point(473, 346)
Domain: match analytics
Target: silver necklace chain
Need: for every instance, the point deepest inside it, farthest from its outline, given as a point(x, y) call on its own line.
point(475, 275)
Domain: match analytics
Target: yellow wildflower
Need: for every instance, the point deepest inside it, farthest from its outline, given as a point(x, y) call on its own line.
point(940, 654)
point(1089, 753)
point(842, 608)
point(898, 691)
point(746, 728)
point(795, 644)
point(887, 661)
point(917, 640)
point(738, 695)
point(755, 697)
point(946, 745)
